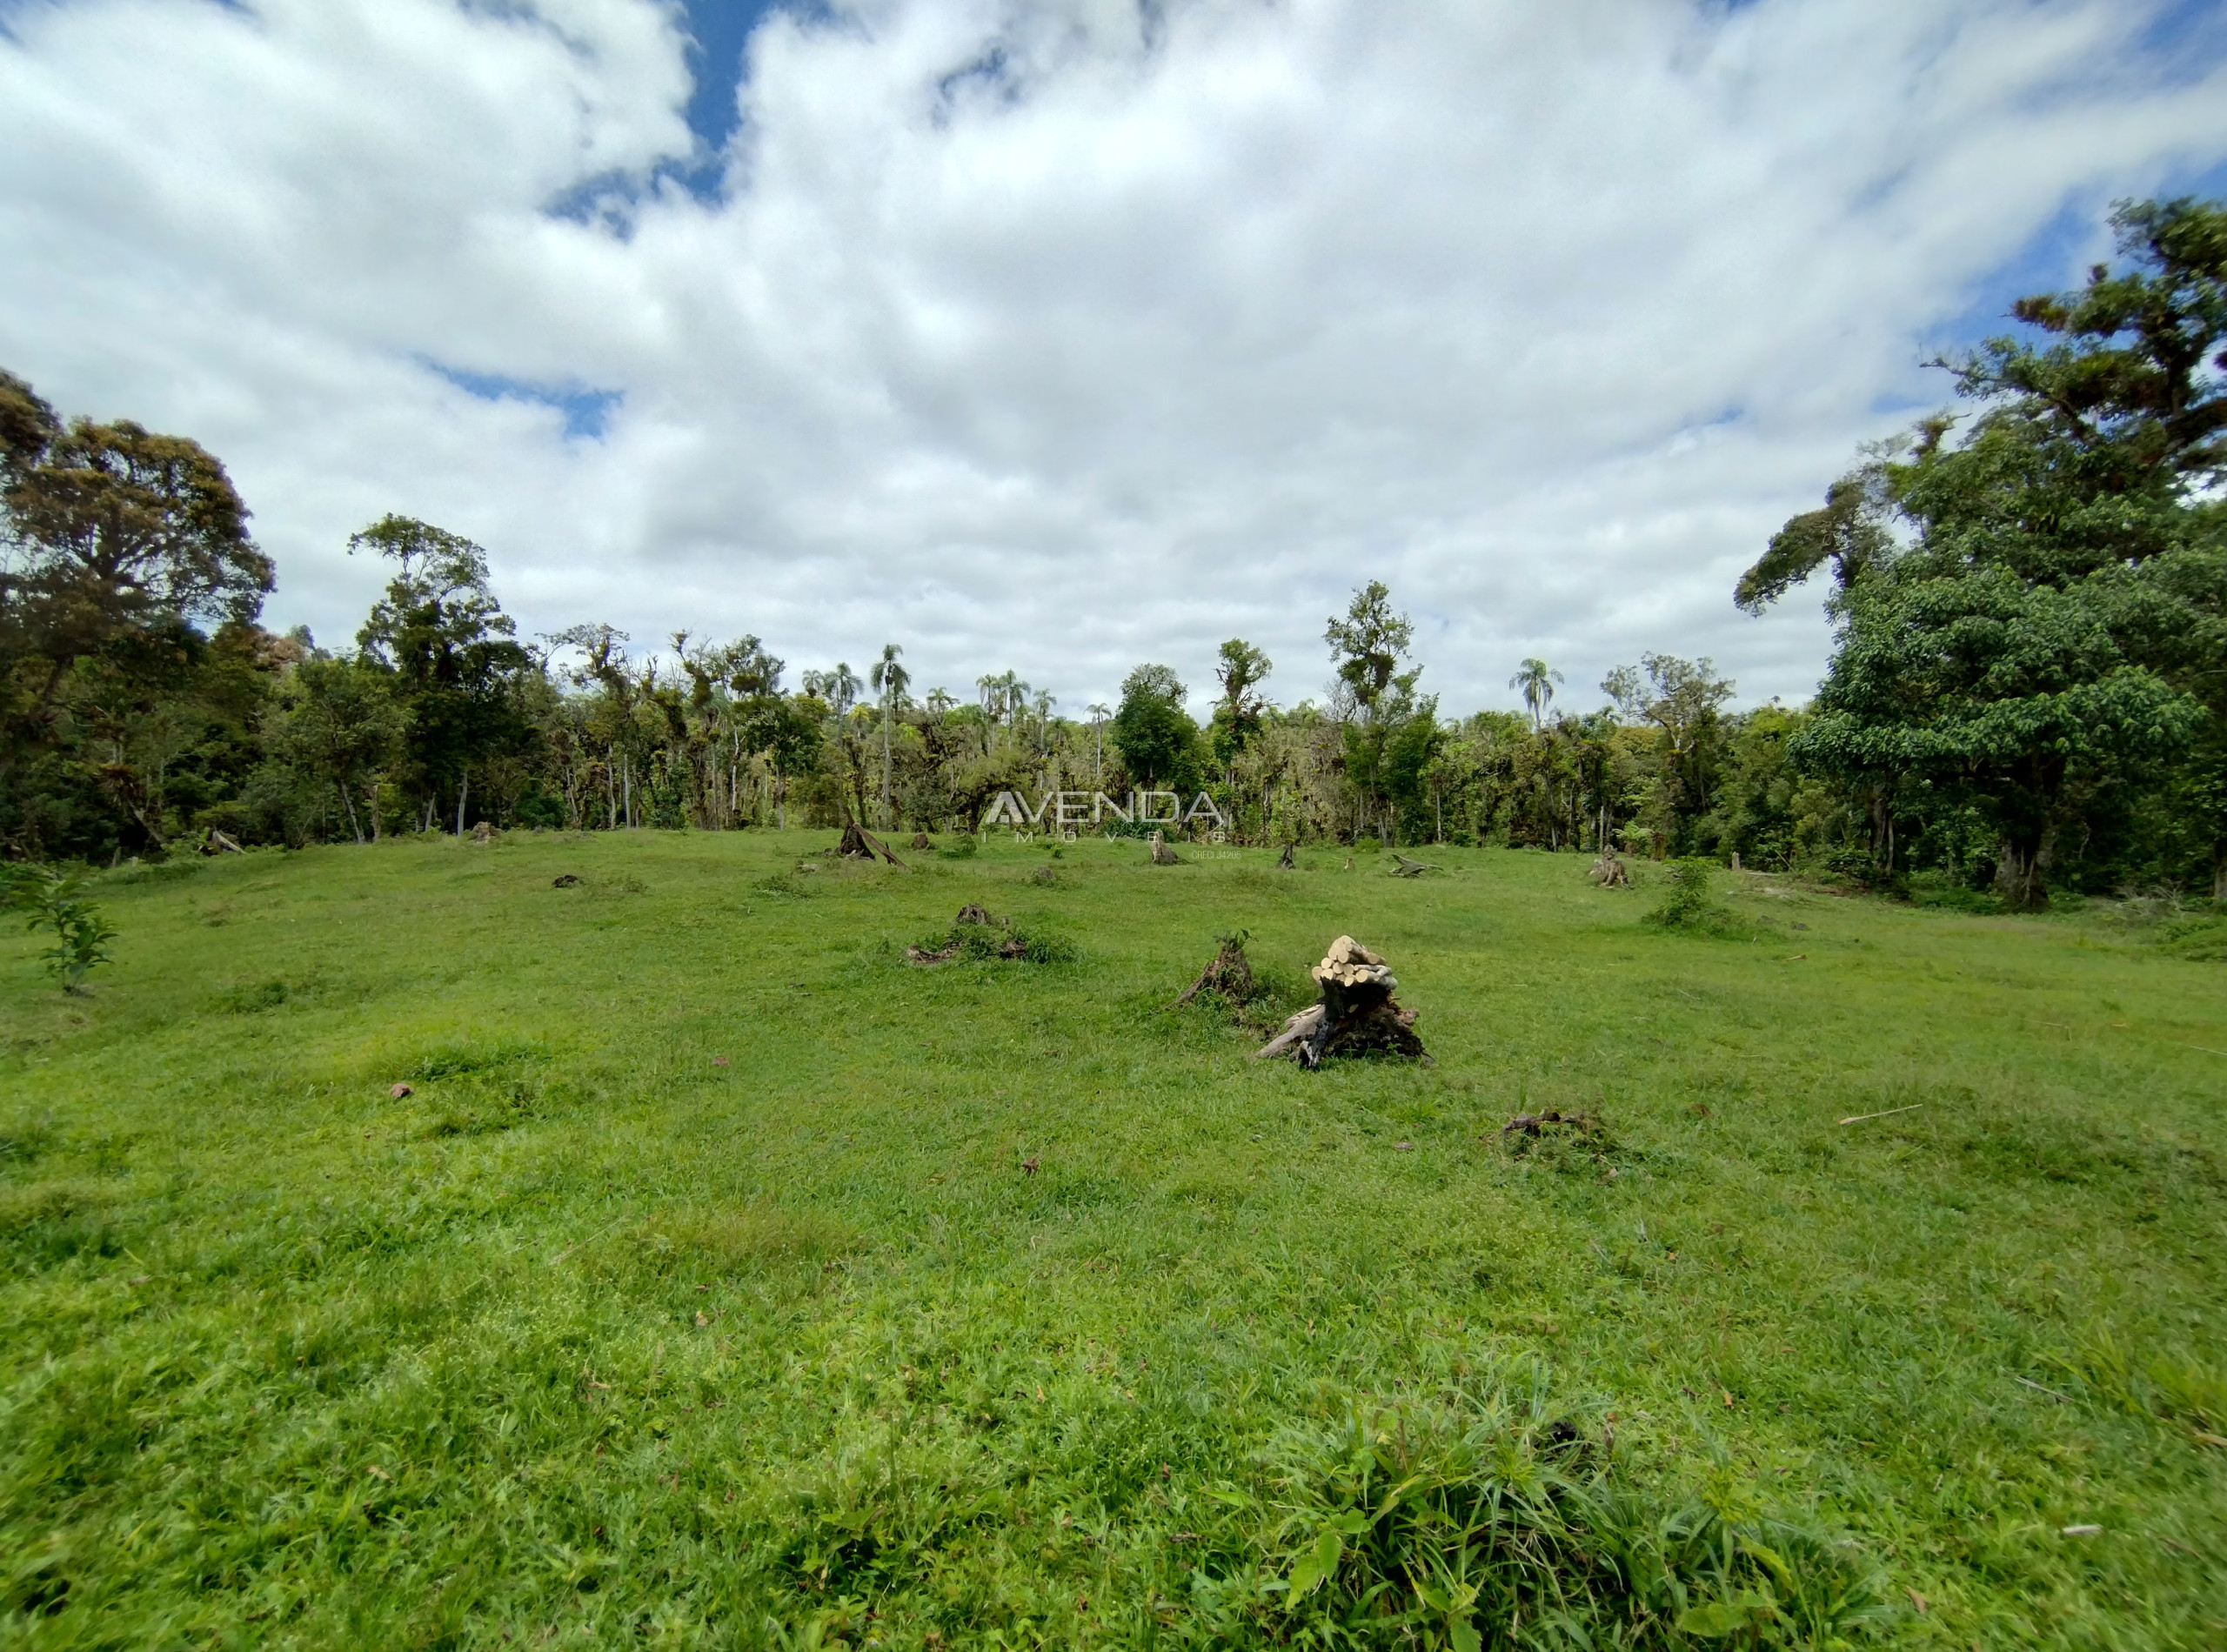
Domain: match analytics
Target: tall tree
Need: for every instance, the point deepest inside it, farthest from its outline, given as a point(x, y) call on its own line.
point(890, 680)
point(1240, 668)
point(1157, 740)
point(2053, 635)
point(1536, 680)
point(1367, 647)
point(450, 645)
point(109, 535)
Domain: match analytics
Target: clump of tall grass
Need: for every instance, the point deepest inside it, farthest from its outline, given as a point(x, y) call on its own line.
point(1489, 1514)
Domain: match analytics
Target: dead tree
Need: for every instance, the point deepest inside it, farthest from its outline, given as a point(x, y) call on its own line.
point(1356, 1012)
point(1407, 868)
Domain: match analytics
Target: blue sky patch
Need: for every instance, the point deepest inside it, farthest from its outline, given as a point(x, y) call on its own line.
point(586, 412)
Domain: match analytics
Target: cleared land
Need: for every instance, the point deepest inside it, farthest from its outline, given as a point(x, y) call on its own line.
point(595, 1339)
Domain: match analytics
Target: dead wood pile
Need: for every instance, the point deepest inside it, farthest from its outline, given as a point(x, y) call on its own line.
point(1356, 1012)
point(1407, 868)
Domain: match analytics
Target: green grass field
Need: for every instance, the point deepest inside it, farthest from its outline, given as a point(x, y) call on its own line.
point(701, 1293)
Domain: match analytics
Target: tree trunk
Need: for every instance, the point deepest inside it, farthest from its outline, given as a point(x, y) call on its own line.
point(2022, 871)
point(349, 804)
point(463, 793)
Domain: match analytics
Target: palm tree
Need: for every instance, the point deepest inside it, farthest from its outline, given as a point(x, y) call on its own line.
point(890, 679)
point(1534, 678)
point(1098, 715)
point(1044, 705)
point(939, 700)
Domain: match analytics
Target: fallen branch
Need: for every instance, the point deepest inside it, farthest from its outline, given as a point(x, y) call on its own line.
point(858, 844)
point(1888, 1113)
point(1407, 868)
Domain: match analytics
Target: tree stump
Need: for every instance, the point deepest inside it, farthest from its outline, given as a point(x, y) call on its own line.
point(1284, 862)
point(1161, 854)
point(920, 841)
point(1228, 973)
point(1356, 1012)
point(1610, 871)
point(858, 844)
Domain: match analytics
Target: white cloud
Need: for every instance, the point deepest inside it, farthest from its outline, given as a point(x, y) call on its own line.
point(1028, 336)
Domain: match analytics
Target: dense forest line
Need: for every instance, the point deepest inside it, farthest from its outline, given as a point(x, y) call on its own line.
point(2027, 687)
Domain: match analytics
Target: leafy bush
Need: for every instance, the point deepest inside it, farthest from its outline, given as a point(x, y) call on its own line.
point(1685, 903)
point(56, 902)
point(962, 847)
point(1689, 906)
point(1484, 1512)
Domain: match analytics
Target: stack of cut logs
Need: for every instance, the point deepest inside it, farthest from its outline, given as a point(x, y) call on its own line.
point(1356, 1012)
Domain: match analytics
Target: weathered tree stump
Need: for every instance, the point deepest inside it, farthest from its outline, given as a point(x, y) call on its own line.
point(1161, 854)
point(1284, 862)
point(1356, 1012)
point(1228, 973)
point(920, 841)
point(858, 844)
point(1610, 871)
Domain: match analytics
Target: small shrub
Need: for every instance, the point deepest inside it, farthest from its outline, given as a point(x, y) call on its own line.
point(55, 902)
point(1688, 905)
point(1367, 845)
point(962, 847)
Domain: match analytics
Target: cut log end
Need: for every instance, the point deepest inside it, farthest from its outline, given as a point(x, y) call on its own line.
point(1357, 1012)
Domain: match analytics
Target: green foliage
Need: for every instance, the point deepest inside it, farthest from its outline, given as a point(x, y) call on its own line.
point(1446, 1519)
point(2046, 648)
point(55, 902)
point(1153, 732)
point(1689, 904)
point(1241, 669)
point(448, 643)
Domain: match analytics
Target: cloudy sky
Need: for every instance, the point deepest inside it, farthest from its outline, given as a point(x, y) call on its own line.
point(1062, 336)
